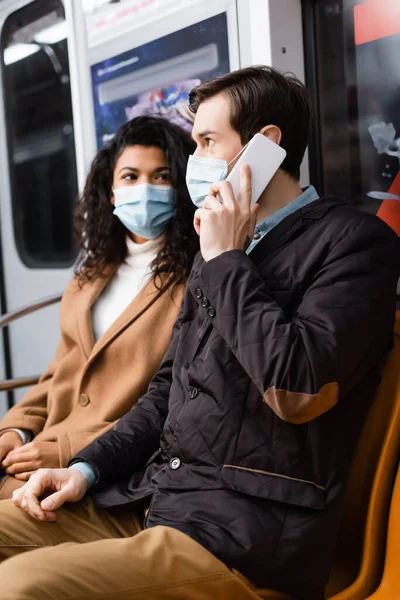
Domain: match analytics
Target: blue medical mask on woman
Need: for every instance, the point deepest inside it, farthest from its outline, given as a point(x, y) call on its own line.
point(202, 172)
point(145, 209)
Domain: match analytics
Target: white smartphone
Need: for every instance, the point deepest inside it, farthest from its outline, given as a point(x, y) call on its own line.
point(265, 158)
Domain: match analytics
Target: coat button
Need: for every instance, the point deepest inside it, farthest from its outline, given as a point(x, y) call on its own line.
point(257, 236)
point(211, 312)
point(205, 302)
point(175, 463)
point(199, 294)
point(193, 393)
point(84, 399)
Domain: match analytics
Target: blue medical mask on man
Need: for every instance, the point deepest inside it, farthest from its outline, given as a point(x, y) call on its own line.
point(202, 172)
point(145, 209)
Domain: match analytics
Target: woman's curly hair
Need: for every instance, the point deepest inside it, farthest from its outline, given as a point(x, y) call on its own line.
point(101, 235)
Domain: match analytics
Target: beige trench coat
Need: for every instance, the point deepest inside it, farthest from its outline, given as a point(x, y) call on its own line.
point(89, 385)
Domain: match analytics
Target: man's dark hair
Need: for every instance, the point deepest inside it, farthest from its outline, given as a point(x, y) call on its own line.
point(261, 96)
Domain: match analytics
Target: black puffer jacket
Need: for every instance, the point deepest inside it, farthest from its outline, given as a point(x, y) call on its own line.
point(261, 396)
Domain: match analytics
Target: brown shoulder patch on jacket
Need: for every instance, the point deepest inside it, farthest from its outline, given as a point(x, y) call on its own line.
point(299, 407)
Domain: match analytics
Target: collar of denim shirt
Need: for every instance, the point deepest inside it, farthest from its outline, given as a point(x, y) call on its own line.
point(309, 195)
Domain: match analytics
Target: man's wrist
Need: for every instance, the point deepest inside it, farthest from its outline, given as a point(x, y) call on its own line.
point(86, 470)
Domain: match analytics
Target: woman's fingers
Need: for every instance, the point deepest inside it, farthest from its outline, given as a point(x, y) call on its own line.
point(24, 476)
point(23, 454)
point(21, 467)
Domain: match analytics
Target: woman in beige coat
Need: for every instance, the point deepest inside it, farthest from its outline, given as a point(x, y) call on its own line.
point(138, 243)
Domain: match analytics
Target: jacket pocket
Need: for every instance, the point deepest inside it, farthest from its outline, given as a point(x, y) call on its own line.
point(273, 486)
point(204, 337)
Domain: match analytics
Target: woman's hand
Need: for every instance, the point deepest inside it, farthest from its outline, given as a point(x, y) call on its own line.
point(9, 441)
point(69, 485)
point(22, 462)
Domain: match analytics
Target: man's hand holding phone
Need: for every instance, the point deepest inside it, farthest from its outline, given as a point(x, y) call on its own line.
point(227, 225)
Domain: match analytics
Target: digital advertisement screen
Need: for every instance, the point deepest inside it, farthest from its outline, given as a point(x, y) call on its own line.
point(156, 78)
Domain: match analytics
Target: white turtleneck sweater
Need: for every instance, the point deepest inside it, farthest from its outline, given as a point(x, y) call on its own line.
point(125, 284)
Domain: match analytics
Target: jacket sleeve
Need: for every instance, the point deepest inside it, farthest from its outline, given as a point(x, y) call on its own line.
point(342, 328)
point(126, 448)
point(31, 412)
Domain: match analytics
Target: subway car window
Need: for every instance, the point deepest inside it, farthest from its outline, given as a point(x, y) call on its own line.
point(356, 79)
point(40, 133)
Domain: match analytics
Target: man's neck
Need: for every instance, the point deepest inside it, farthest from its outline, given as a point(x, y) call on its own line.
point(281, 190)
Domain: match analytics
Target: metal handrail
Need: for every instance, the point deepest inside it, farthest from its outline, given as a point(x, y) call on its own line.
point(28, 309)
point(12, 384)
point(19, 382)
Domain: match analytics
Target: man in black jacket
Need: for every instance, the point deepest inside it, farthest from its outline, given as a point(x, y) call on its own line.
point(239, 451)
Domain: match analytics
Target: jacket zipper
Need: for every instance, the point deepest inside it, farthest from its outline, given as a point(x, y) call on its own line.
point(203, 342)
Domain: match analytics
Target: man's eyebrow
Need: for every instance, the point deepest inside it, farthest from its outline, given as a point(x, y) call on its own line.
point(205, 133)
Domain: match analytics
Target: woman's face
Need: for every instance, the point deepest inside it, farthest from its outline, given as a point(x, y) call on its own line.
point(141, 164)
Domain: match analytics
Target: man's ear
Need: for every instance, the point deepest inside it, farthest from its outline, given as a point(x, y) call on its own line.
point(273, 133)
